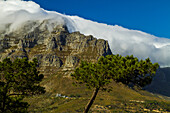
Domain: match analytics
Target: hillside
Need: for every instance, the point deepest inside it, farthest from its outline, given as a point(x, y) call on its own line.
point(161, 82)
point(60, 42)
point(59, 53)
point(73, 99)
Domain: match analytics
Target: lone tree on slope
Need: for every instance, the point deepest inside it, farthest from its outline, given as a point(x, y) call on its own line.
point(127, 70)
point(18, 79)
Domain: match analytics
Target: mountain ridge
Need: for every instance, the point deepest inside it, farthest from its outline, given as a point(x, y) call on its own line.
point(123, 41)
point(59, 45)
point(161, 82)
point(57, 49)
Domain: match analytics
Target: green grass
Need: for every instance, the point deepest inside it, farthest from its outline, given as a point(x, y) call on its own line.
point(120, 99)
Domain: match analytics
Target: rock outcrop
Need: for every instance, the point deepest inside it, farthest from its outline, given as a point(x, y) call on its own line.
point(55, 50)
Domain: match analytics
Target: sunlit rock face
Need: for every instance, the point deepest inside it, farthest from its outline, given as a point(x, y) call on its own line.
point(27, 19)
point(55, 49)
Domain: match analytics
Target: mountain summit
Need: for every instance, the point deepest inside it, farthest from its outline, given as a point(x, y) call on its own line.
point(55, 50)
point(60, 42)
point(14, 15)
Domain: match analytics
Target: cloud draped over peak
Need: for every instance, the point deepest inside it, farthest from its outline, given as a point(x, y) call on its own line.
point(121, 40)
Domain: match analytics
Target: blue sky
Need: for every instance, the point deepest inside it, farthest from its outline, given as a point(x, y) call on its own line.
point(151, 16)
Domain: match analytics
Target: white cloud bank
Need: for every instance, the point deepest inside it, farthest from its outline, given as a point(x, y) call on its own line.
point(121, 40)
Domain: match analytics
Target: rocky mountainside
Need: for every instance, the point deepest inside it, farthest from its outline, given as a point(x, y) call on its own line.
point(161, 82)
point(55, 48)
point(58, 52)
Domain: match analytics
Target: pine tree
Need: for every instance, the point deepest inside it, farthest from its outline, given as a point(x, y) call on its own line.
point(18, 79)
point(127, 70)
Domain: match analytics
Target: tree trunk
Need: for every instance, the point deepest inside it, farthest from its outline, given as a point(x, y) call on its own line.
point(91, 100)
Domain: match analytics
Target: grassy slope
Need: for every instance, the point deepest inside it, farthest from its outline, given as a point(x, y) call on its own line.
point(121, 98)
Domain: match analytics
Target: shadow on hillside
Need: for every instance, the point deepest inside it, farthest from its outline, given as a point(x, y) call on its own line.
point(161, 82)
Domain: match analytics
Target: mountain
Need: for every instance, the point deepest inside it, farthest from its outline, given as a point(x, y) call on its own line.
point(14, 14)
point(55, 50)
point(161, 82)
point(59, 52)
point(60, 42)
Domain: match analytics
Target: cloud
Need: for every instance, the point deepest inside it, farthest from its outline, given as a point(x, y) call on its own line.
point(121, 40)
point(16, 13)
point(11, 0)
point(126, 42)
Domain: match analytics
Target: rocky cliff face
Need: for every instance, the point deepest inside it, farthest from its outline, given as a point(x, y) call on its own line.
point(56, 49)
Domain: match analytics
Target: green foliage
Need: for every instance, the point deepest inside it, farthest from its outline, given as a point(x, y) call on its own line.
point(17, 80)
point(92, 74)
point(128, 70)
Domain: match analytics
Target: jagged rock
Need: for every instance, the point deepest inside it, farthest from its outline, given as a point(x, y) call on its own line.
point(51, 44)
point(71, 61)
point(20, 56)
point(51, 60)
point(21, 46)
point(55, 48)
point(38, 57)
point(103, 47)
point(87, 44)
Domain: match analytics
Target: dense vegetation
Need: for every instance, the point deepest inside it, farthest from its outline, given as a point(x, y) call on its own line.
point(120, 98)
point(127, 70)
point(18, 79)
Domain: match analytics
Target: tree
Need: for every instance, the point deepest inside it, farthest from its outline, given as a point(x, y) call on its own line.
point(127, 70)
point(18, 79)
